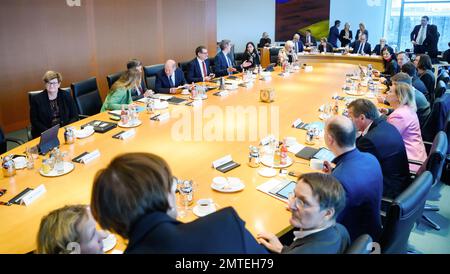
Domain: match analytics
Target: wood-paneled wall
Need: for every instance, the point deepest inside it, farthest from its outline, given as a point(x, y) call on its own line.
point(94, 39)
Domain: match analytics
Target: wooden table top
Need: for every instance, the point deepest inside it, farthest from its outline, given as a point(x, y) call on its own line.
point(189, 141)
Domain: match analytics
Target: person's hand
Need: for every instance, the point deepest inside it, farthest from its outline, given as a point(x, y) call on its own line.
point(231, 69)
point(246, 64)
point(414, 43)
point(327, 169)
point(270, 241)
point(207, 78)
point(384, 111)
point(148, 93)
point(376, 73)
point(174, 91)
point(380, 99)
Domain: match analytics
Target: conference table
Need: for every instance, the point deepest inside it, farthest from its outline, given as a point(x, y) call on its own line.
point(190, 140)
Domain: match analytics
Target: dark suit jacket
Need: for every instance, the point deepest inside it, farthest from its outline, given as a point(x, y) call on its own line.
point(299, 46)
point(313, 40)
point(430, 82)
point(391, 68)
point(162, 83)
point(431, 40)
point(194, 73)
point(221, 65)
point(263, 42)
point(329, 48)
point(134, 94)
point(367, 47)
point(222, 232)
point(333, 240)
point(41, 114)
point(360, 175)
point(333, 36)
point(419, 85)
point(378, 48)
point(357, 35)
point(385, 143)
point(438, 116)
point(344, 41)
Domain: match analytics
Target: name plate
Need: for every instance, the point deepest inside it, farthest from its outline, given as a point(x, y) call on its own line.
point(163, 117)
point(90, 157)
point(308, 68)
point(222, 161)
point(33, 195)
point(128, 134)
point(266, 140)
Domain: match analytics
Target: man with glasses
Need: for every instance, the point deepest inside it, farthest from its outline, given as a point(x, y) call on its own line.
point(199, 68)
point(316, 201)
point(425, 37)
point(224, 63)
point(361, 46)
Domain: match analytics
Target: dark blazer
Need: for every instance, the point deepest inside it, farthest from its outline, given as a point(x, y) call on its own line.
point(391, 68)
point(194, 73)
point(446, 56)
point(429, 81)
point(333, 240)
point(313, 40)
point(357, 34)
point(430, 43)
point(221, 65)
point(41, 114)
point(263, 42)
point(222, 232)
point(367, 48)
point(438, 117)
point(377, 50)
point(162, 83)
point(333, 36)
point(299, 46)
point(134, 94)
point(385, 143)
point(419, 85)
point(329, 48)
point(344, 41)
point(361, 176)
point(253, 58)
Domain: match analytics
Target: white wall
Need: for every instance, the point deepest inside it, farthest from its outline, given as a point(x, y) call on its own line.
point(242, 21)
point(370, 12)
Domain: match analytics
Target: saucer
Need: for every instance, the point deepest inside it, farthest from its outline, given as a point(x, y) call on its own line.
point(20, 162)
point(130, 125)
point(267, 172)
point(233, 185)
point(109, 242)
point(197, 212)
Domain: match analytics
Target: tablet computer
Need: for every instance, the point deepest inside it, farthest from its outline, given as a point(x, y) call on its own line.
point(49, 140)
point(324, 154)
point(283, 189)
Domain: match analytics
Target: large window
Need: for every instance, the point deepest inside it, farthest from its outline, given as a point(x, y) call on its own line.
point(405, 14)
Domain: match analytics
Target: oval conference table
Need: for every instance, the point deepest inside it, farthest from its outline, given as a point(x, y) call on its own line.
point(189, 141)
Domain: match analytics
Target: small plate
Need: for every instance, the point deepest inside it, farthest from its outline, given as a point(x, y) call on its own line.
point(267, 172)
point(354, 92)
point(234, 185)
point(109, 242)
point(269, 162)
point(81, 134)
point(68, 167)
point(20, 162)
point(196, 211)
point(204, 97)
point(129, 125)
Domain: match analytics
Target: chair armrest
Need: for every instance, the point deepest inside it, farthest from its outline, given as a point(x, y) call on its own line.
point(82, 116)
point(15, 140)
point(428, 146)
point(414, 162)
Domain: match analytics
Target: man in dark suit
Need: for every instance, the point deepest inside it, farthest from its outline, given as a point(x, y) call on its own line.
point(333, 36)
point(383, 141)
point(361, 176)
point(425, 38)
point(318, 199)
point(378, 48)
point(298, 45)
point(309, 40)
point(362, 46)
point(199, 69)
point(325, 46)
point(169, 79)
point(224, 63)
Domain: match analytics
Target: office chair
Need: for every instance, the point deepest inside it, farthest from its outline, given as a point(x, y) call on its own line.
point(362, 245)
point(4, 141)
point(211, 63)
point(87, 97)
point(441, 87)
point(150, 74)
point(443, 76)
point(239, 58)
point(437, 118)
point(184, 66)
point(112, 78)
point(403, 213)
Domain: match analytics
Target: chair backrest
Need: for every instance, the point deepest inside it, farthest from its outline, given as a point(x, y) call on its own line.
point(440, 89)
point(184, 66)
point(2, 142)
point(238, 58)
point(362, 245)
point(403, 213)
point(436, 158)
point(443, 76)
point(437, 118)
point(36, 92)
point(274, 55)
point(150, 74)
point(112, 78)
point(87, 97)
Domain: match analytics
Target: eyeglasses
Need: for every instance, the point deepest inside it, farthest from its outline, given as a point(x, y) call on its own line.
point(52, 83)
point(296, 201)
point(2, 191)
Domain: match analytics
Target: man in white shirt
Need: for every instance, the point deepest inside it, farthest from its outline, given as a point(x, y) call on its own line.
point(199, 68)
point(425, 37)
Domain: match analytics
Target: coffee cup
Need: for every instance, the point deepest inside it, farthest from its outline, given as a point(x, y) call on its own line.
point(205, 206)
point(220, 182)
point(316, 164)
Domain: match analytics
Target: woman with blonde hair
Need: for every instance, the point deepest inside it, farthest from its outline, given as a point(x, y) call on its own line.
point(287, 54)
point(120, 93)
point(401, 97)
point(362, 30)
point(69, 230)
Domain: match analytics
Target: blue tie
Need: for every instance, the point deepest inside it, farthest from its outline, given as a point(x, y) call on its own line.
point(172, 84)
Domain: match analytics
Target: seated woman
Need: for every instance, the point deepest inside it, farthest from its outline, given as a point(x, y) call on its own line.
point(120, 93)
point(70, 229)
point(251, 56)
point(424, 69)
point(316, 202)
point(134, 196)
point(390, 64)
point(325, 46)
point(52, 106)
point(401, 98)
point(287, 54)
point(264, 41)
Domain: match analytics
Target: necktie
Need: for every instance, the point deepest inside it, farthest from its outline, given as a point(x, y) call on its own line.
point(204, 69)
point(172, 84)
point(361, 47)
point(228, 61)
point(421, 36)
point(296, 47)
point(309, 39)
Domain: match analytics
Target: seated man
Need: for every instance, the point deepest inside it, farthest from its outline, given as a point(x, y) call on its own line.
point(318, 198)
point(402, 58)
point(199, 69)
point(378, 48)
point(309, 40)
point(418, 84)
point(224, 63)
point(383, 141)
point(360, 175)
point(362, 46)
point(325, 46)
point(298, 44)
point(169, 79)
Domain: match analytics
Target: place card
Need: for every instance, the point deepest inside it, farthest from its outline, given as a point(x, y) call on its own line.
point(33, 195)
point(299, 124)
point(266, 140)
point(128, 134)
point(225, 164)
point(90, 157)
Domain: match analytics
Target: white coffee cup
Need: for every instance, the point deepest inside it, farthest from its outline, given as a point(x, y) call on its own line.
point(205, 206)
point(220, 182)
point(316, 164)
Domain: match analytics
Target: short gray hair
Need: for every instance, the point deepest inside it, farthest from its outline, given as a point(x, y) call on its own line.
point(224, 43)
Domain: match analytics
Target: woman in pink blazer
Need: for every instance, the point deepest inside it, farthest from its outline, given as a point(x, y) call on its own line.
point(404, 118)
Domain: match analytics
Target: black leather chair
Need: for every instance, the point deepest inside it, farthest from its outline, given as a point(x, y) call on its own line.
point(403, 213)
point(443, 76)
point(112, 78)
point(436, 121)
point(87, 97)
point(184, 66)
point(211, 63)
point(446, 171)
point(239, 58)
point(274, 55)
point(441, 87)
point(362, 245)
point(4, 142)
point(150, 75)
